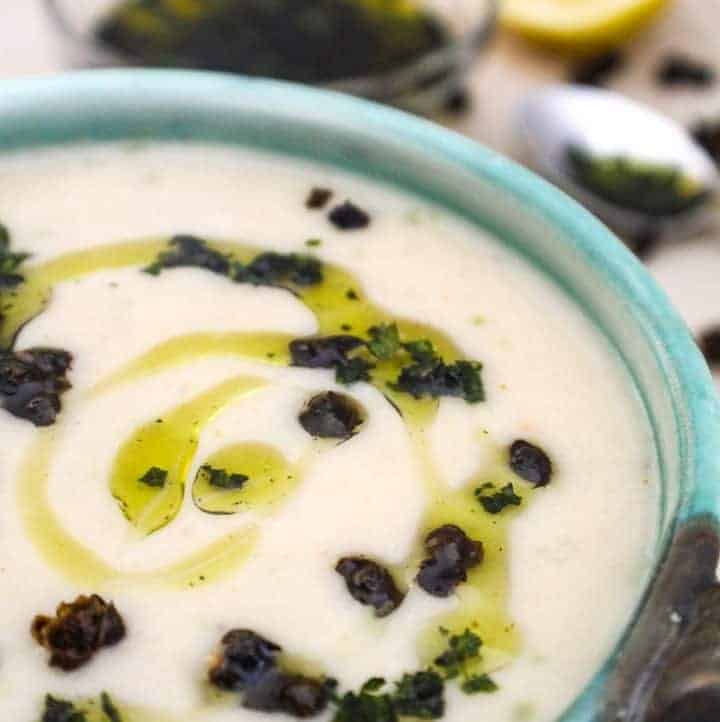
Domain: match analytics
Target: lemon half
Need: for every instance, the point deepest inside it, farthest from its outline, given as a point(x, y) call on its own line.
point(579, 26)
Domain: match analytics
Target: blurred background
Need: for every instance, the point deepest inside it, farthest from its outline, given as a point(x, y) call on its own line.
point(468, 64)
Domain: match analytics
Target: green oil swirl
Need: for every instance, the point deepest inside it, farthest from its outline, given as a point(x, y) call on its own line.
point(270, 480)
point(340, 306)
point(168, 443)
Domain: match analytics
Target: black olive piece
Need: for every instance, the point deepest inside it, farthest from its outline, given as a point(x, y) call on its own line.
point(243, 660)
point(709, 343)
point(294, 694)
point(330, 415)
point(78, 630)
point(597, 69)
point(452, 554)
point(530, 462)
point(324, 352)
point(370, 583)
point(348, 217)
point(34, 403)
point(318, 198)
point(676, 69)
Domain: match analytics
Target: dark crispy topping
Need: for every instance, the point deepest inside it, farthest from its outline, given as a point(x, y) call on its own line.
point(78, 631)
point(249, 663)
point(109, 709)
point(331, 416)
point(370, 583)
point(678, 69)
point(707, 134)
point(155, 477)
point(292, 694)
point(189, 251)
point(451, 554)
point(651, 188)
point(709, 342)
point(530, 462)
point(597, 69)
point(58, 710)
point(420, 695)
point(221, 479)
point(318, 198)
point(31, 382)
point(279, 269)
point(348, 217)
point(462, 650)
point(495, 501)
point(324, 352)
point(244, 659)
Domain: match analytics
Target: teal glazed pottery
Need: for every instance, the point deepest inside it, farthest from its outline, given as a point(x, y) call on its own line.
point(663, 668)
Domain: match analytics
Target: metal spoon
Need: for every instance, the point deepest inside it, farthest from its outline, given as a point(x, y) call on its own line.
point(586, 140)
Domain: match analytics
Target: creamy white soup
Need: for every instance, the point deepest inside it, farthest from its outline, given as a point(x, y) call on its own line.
point(278, 440)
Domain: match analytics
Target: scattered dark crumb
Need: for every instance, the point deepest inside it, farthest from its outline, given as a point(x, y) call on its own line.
point(323, 352)
point(348, 217)
point(331, 416)
point(313, 242)
point(597, 69)
point(644, 243)
point(370, 583)
point(676, 69)
point(78, 631)
point(222, 479)
point(707, 134)
point(346, 327)
point(458, 101)
point(451, 555)
point(530, 462)
point(494, 500)
point(709, 343)
point(32, 381)
point(318, 198)
point(351, 295)
point(59, 710)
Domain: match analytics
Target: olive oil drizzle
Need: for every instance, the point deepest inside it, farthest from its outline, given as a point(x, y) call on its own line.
point(168, 443)
point(340, 306)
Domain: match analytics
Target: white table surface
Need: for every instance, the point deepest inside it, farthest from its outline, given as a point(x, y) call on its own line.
point(687, 269)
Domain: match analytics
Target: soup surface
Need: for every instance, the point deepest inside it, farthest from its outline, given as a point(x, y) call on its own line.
point(468, 514)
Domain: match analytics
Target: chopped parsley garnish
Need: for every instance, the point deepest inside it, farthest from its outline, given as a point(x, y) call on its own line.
point(479, 683)
point(433, 377)
point(353, 370)
point(367, 705)
point(348, 217)
point(109, 709)
point(651, 188)
point(313, 242)
point(10, 262)
point(495, 501)
point(155, 477)
point(384, 340)
point(221, 479)
point(420, 695)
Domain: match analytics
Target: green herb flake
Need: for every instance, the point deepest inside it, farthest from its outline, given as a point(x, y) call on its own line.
point(155, 477)
point(367, 705)
point(109, 709)
point(384, 340)
point(353, 370)
point(495, 501)
point(313, 242)
point(479, 683)
point(374, 684)
point(221, 479)
point(10, 262)
point(462, 649)
point(58, 710)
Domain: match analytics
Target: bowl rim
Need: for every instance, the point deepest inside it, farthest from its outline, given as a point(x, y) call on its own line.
point(688, 380)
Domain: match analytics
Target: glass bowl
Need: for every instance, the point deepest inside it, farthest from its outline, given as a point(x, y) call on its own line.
point(426, 83)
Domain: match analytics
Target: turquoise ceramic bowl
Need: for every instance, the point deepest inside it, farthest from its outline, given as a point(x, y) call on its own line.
point(545, 226)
